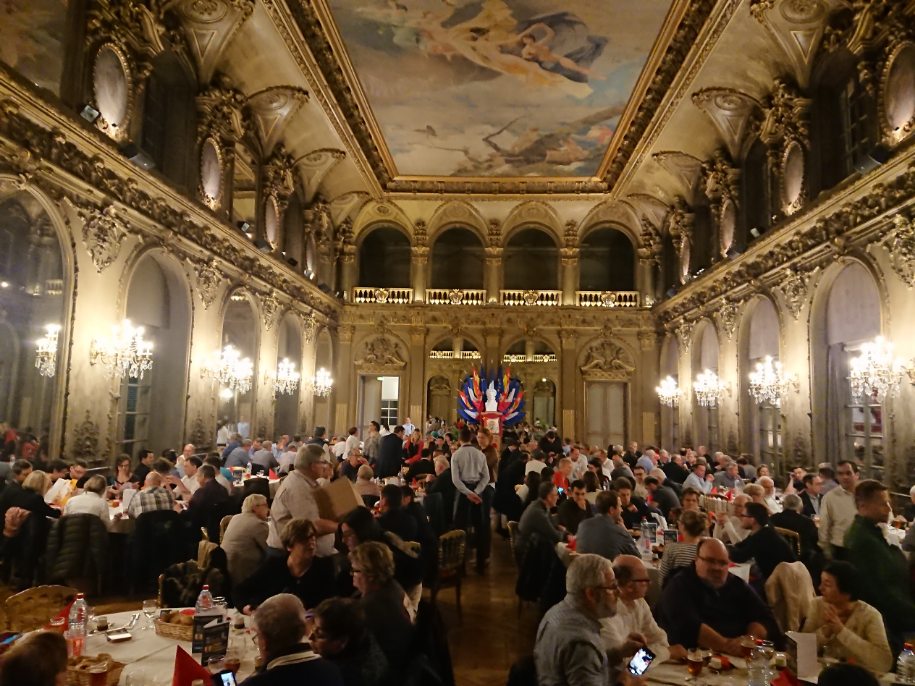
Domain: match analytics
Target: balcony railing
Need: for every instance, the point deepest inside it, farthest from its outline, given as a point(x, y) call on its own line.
point(455, 296)
point(452, 355)
point(390, 296)
point(531, 298)
point(607, 298)
point(522, 359)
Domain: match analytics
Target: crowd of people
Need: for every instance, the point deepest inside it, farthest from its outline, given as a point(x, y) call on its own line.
point(360, 578)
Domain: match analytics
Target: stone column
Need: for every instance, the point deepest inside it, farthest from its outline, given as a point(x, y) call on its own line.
point(492, 276)
point(685, 382)
point(643, 395)
point(571, 420)
point(569, 265)
point(416, 374)
point(419, 272)
point(344, 394)
point(348, 272)
point(644, 280)
point(306, 390)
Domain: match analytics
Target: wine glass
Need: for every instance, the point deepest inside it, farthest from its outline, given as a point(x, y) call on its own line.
point(150, 608)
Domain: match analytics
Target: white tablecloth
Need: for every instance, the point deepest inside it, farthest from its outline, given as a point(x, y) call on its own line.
point(150, 658)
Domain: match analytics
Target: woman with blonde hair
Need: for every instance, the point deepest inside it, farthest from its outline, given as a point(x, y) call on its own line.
point(382, 599)
point(692, 527)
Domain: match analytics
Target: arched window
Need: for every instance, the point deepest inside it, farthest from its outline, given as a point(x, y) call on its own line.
point(759, 339)
point(756, 198)
point(457, 260)
point(705, 357)
point(531, 261)
point(289, 348)
point(384, 259)
point(169, 119)
point(670, 416)
point(240, 329)
point(607, 262)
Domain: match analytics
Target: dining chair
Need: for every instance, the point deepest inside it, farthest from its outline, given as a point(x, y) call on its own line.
point(450, 570)
point(31, 609)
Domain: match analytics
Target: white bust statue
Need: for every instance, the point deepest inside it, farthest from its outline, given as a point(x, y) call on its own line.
point(491, 404)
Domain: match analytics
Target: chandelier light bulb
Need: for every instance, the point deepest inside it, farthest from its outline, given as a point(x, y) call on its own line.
point(287, 378)
point(228, 368)
point(668, 392)
point(323, 383)
point(875, 373)
point(709, 389)
point(769, 383)
point(124, 353)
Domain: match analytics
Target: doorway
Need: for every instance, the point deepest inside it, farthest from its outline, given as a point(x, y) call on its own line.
point(605, 413)
point(379, 400)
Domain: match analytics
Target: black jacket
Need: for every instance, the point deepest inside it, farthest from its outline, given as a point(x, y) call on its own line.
point(766, 547)
point(804, 527)
point(390, 456)
point(665, 498)
point(675, 472)
point(273, 576)
point(807, 499)
point(77, 547)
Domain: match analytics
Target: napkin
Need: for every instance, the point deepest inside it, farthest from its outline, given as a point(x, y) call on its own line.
point(187, 669)
point(272, 475)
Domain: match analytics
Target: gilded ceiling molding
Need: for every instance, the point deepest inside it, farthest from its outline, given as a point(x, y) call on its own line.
point(220, 109)
point(534, 213)
point(645, 205)
point(652, 246)
point(732, 112)
point(795, 289)
point(797, 27)
point(785, 132)
point(457, 213)
point(343, 206)
point(720, 185)
point(314, 168)
point(683, 168)
point(271, 110)
point(900, 246)
point(680, 224)
point(209, 26)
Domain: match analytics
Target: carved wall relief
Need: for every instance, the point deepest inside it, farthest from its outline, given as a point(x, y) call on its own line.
point(112, 86)
point(605, 360)
point(380, 353)
point(897, 93)
point(103, 232)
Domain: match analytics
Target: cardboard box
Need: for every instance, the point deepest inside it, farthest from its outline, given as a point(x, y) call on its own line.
point(801, 654)
point(337, 499)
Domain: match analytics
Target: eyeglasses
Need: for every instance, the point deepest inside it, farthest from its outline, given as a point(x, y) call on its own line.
point(639, 581)
point(354, 571)
point(613, 589)
point(714, 562)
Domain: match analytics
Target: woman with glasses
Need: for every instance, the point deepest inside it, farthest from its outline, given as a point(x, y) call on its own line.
point(300, 572)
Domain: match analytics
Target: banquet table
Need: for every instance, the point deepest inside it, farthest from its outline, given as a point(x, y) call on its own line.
point(150, 658)
point(675, 674)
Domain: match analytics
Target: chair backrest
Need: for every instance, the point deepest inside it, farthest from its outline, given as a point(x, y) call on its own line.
point(31, 609)
point(451, 546)
point(793, 538)
point(77, 547)
point(414, 546)
point(260, 486)
point(789, 592)
point(512, 534)
point(223, 525)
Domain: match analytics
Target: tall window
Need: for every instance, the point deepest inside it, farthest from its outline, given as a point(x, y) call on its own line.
point(713, 438)
point(133, 413)
point(863, 431)
point(770, 436)
point(855, 124)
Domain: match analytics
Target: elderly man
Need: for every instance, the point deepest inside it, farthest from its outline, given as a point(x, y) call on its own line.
point(729, 528)
point(633, 616)
point(729, 477)
point(295, 500)
point(647, 461)
point(264, 459)
point(569, 650)
point(206, 498)
point(288, 659)
point(240, 455)
point(349, 468)
point(603, 534)
point(885, 584)
point(769, 498)
point(837, 511)
point(536, 524)
point(792, 518)
point(704, 605)
point(151, 498)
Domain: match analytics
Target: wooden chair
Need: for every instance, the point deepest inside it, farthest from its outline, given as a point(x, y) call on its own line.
point(512, 536)
point(414, 547)
point(31, 609)
point(793, 538)
point(223, 525)
point(450, 570)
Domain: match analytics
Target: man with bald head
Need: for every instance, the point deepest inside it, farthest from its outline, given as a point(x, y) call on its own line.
point(151, 498)
point(706, 606)
point(633, 627)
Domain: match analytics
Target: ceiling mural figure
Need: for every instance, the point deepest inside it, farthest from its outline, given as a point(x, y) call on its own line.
point(498, 87)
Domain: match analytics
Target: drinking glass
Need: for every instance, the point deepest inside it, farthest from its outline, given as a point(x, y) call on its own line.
point(58, 624)
point(694, 664)
point(232, 660)
point(98, 674)
point(150, 608)
point(216, 664)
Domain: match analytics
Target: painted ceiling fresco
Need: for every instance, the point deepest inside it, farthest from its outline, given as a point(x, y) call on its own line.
point(498, 87)
point(31, 39)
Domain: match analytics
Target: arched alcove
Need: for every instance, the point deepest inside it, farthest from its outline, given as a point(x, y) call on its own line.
point(755, 197)
point(240, 329)
point(705, 352)
point(169, 118)
point(244, 188)
point(457, 260)
point(607, 261)
point(670, 416)
point(151, 410)
point(34, 293)
point(384, 258)
point(762, 423)
point(530, 261)
point(289, 347)
point(845, 316)
point(441, 399)
point(324, 359)
point(543, 403)
point(294, 232)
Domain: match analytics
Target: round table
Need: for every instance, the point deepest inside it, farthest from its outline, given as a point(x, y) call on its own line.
point(150, 658)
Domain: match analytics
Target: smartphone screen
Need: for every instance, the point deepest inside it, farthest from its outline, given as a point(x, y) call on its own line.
point(224, 678)
point(640, 661)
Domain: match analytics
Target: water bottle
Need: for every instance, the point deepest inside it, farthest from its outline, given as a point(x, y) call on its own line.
point(205, 604)
point(78, 620)
point(905, 666)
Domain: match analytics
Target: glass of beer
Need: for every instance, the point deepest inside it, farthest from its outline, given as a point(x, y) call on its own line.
point(233, 660)
point(694, 664)
point(98, 674)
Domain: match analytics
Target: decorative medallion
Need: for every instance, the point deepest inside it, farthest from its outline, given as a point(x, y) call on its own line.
point(86, 438)
point(208, 278)
point(897, 94)
point(112, 86)
point(103, 232)
point(727, 315)
point(211, 172)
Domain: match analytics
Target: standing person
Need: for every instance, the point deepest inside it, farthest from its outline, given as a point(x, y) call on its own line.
point(470, 475)
point(812, 496)
point(485, 441)
point(837, 511)
point(408, 427)
point(372, 442)
point(390, 454)
point(352, 440)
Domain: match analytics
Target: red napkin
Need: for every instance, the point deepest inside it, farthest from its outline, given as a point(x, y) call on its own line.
point(786, 678)
point(187, 669)
point(65, 613)
point(272, 474)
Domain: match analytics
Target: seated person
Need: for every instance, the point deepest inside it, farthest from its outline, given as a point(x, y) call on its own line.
point(301, 573)
point(763, 545)
point(634, 509)
point(729, 528)
point(281, 625)
point(689, 500)
point(847, 629)
point(574, 509)
point(663, 497)
point(151, 498)
point(382, 600)
point(691, 527)
point(31, 496)
point(633, 616)
point(537, 523)
point(349, 468)
point(91, 500)
point(393, 518)
point(38, 659)
point(421, 468)
point(603, 534)
point(358, 527)
point(844, 674)
point(78, 472)
point(364, 484)
point(339, 635)
point(206, 498)
point(561, 475)
point(705, 605)
point(245, 539)
point(791, 518)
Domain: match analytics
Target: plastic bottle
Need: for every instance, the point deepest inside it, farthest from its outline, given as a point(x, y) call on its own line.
point(205, 604)
point(905, 666)
point(78, 620)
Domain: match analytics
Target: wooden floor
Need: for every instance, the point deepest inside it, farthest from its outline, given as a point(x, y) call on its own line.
point(483, 647)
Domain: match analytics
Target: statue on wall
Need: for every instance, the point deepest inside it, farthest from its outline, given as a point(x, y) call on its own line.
point(380, 352)
point(606, 357)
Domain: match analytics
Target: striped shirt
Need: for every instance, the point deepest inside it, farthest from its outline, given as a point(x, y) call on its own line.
point(676, 555)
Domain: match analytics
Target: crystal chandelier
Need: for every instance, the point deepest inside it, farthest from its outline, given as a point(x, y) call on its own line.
point(287, 378)
point(323, 383)
point(768, 383)
point(46, 351)
point(668, 392)
point(124, 352)
point(875, 373)
point(230, 369)
point(709, 388)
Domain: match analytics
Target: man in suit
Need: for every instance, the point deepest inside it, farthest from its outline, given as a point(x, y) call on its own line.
point(390, 454)
point(812, 496)
point(603, 533)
